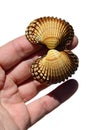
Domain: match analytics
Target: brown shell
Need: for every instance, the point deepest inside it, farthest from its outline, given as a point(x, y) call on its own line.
point(52, 32)
point(55, 67)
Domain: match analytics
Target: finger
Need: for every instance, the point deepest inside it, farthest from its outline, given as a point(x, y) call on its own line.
point(15, 51)
point(73, 44)
point(21, 72)
point(30, 89)
point(46, 104)
point(24, 68)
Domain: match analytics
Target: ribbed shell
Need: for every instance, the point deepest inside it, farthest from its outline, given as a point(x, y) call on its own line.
point(52, 32)
point(55, 67)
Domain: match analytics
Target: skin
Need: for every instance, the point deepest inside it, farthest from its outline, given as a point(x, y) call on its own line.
point(17, 86)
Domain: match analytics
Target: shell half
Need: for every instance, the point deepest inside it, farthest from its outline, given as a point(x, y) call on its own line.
point(52, 32)
point(55, 67)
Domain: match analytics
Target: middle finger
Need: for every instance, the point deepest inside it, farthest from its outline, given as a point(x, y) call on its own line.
point(21, 72)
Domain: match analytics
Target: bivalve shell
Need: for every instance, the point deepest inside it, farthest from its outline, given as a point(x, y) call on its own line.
point(52, 32)
point(55, 67)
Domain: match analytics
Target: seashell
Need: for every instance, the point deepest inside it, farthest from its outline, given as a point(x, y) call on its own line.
point(58, 64)
point(52, 32)
point(55, 67)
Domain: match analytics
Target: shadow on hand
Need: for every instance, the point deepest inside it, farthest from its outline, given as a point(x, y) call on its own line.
point(65, 90)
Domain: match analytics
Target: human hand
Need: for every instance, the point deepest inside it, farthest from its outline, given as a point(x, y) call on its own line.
point(17, 86)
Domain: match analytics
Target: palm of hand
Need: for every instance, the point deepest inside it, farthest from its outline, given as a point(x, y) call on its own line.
point(12, 103)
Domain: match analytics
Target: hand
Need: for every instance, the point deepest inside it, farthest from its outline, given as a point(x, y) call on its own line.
point(17, 86)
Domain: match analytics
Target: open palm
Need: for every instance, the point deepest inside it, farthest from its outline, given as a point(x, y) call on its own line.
point(17, 86)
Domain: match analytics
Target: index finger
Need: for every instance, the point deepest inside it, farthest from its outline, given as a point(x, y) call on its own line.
point(15, 51)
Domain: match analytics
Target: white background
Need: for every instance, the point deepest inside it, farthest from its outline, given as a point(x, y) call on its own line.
point(15, 15)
